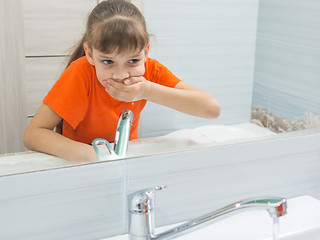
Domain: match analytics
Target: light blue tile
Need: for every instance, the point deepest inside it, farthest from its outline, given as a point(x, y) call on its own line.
point(203, 44)
point(211, 178)
point(287, 59)
point(295, 21)
point(83, 202)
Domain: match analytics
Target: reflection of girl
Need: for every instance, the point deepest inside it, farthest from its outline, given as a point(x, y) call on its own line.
point(109, 71)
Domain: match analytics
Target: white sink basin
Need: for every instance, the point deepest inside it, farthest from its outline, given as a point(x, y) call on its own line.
point(302, 222)
point(165, 144)
point(189, 139)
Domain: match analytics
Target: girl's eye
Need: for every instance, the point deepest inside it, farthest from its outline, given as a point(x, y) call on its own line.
point(132, 61)
point(107, 62)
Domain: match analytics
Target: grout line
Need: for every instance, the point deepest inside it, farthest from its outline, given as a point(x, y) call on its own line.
point(46, 56)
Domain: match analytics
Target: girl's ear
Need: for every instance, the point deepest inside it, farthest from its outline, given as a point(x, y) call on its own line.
point(146, 50)
point(88, 52)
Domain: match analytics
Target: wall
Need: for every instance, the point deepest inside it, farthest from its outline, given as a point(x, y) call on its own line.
point(51, 29)
point(12, 78)
point(35, 38)
point(209, 44)
point(90, 202)
point(286, 80)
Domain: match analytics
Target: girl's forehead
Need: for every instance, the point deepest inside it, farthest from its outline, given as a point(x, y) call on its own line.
point(119, 54)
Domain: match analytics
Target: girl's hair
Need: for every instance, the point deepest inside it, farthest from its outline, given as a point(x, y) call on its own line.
point(113, 25)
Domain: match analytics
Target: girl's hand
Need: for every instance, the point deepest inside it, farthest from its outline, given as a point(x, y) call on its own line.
point(131, 89)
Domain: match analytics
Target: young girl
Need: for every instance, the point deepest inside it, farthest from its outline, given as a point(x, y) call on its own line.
point(108, 72)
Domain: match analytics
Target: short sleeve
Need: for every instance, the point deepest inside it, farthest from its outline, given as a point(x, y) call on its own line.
point(69, 95)
point(158, 73)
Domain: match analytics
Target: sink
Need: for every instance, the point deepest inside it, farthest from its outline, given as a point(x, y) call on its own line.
point(189, 139)
point(233, 133)
point(311, 234)
point(302, 222)
point(181, 140)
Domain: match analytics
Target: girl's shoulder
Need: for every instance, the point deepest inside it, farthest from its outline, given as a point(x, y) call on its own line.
point(158, 73)
point(153, 65)
point(81, 63)
point(80, 67)
point(80, 71)
point(152, 62)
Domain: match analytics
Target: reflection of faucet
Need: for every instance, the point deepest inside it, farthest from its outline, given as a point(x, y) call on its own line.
point(121, 138)
point(123, 133)
point(142, 220)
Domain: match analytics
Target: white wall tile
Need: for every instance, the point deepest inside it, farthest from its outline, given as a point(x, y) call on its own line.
point(58, 24)
point(41, 74)
point(84, 202)
point(209, 44)
point(203, 180)
point(287, 65)
point(13, 113)
point(90, 201)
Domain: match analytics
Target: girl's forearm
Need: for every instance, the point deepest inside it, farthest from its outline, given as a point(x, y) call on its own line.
point(48, 141)
point(187, 100)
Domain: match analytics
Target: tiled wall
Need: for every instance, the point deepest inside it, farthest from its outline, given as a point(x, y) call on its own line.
point(13, 118)
point(85, 202)
point(287, 69)
point(209, 44)
point(90, 201)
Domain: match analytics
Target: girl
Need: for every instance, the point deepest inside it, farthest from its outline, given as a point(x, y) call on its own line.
point(108, 72)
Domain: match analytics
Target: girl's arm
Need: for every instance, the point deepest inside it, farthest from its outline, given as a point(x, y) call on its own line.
point(184, 97)
point(39, 136)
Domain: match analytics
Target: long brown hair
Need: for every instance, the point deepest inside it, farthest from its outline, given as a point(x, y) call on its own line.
point(113, 25)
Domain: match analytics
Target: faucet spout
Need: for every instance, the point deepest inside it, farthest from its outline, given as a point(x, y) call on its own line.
point(142, 226)
point(275, 206)
point(123, 133)
point(121, 138)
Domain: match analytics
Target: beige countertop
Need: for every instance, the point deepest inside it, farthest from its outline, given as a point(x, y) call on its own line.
point(30, 161)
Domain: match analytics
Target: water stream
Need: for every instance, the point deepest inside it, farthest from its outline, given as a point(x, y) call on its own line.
point(275, 227)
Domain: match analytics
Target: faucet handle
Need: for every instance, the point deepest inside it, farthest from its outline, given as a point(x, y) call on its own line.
point(143, 201)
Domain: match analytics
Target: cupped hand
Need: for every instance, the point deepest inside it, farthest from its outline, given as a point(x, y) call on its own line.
point(131, 89)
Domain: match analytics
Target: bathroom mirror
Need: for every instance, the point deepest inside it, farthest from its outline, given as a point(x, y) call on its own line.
point(260, 59)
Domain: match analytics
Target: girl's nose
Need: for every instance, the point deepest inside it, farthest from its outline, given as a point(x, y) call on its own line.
point(120, 75)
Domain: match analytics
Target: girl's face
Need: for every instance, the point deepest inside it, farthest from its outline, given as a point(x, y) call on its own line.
point(117, 67)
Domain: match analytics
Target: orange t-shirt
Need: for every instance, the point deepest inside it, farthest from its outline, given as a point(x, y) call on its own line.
point(88, 111)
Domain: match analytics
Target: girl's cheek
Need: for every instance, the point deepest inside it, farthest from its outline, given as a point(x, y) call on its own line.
point(103, 79)
point(139, 71)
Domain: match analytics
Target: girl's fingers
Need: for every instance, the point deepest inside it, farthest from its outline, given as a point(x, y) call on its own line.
point(116, 85)
point(119, 92)
point(128, 91)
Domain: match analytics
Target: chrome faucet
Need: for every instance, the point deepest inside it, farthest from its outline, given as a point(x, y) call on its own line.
point(121, 138)
point(142, 220)
point(123, 133)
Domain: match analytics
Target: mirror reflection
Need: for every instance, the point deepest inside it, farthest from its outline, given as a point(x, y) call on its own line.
point(259, 59)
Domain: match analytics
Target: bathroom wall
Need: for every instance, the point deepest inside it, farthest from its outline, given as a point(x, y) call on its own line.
point(51, 29)
point(13, 117)
point(209, 44)
point(287, 62)
point(90, 201)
